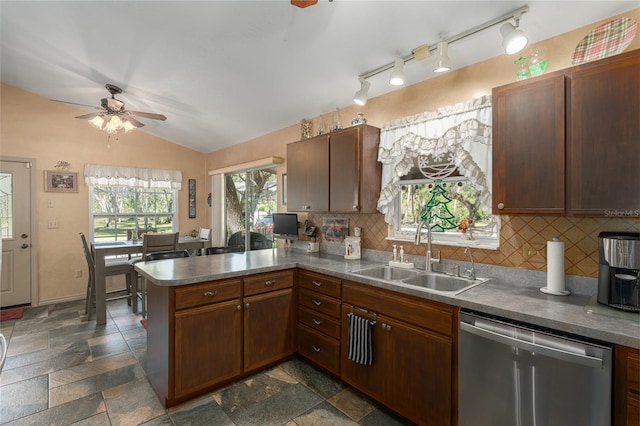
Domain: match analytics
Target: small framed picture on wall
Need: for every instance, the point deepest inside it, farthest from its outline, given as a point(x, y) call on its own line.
point(55, 181)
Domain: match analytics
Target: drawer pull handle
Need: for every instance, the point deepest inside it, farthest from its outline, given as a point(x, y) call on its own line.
point(316, 322)
point(317, 283)
point(270, 283)
point(315, 348)
point(316, 302)
point(210, 293)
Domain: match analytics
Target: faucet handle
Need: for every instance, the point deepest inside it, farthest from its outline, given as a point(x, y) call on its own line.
point(436, 259)
point(455, 269)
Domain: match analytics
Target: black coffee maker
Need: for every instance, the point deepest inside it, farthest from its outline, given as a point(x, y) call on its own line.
point(619, 270)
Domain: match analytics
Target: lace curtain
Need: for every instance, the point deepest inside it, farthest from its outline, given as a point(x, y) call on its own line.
point(464, 130)
point(98, 174)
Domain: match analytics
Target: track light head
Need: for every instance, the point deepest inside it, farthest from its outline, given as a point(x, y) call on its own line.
point(397, 75)
point(443, 63)
point(362, 95)
point(513, 38)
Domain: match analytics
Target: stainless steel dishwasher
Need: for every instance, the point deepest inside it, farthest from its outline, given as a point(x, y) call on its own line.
point(517, 375)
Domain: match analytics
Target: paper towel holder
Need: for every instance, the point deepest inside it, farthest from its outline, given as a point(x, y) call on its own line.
point(553, 291)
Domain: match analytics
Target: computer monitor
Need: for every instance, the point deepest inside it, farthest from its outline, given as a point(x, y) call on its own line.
point(285, 226)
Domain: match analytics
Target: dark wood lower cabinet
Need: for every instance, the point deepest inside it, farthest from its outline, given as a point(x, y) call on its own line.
point(626, 389)
point(208, 346)
point(413, 369)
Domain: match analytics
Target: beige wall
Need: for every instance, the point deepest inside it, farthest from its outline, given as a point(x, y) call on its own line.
point(34, 127)
point(517, 233)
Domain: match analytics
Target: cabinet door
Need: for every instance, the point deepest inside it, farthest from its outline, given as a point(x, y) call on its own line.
point(344, 174)
point(419, 364)
point(626, 386)
point(208, 346)
point(604, 139)
point(269, 328)
point(529, 146)
point(308, 175)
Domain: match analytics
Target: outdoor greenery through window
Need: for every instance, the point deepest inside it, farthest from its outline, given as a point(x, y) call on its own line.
point(6, 205)
point(456, 213)
point(251, 198)
point(117, 210)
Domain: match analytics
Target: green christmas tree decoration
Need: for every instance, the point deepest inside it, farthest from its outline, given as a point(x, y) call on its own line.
point(441, 217)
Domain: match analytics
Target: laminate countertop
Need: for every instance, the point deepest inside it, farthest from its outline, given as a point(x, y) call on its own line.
point(574, 314)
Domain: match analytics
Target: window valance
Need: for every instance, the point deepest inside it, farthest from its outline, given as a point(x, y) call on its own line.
point(462, 130)
point(135, 177)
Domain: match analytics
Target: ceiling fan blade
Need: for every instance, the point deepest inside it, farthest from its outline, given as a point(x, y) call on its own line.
point(135, 122)
point(74, 103)
point(88, 116)
point(148, 115)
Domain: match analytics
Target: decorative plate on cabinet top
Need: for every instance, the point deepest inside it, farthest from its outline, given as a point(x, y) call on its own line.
point(610, 38)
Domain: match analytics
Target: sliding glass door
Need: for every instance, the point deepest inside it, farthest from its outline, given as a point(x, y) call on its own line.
point(251, 197)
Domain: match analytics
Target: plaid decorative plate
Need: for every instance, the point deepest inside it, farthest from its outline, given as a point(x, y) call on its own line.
point(608, 39)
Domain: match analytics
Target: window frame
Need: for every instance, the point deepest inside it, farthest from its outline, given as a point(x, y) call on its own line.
point(93, 215)
point(394, 232)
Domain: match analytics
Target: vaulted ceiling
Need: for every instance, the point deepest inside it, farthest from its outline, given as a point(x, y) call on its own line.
point(224, 72)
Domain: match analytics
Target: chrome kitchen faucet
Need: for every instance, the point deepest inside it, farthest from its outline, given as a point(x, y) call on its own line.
point(430, 260)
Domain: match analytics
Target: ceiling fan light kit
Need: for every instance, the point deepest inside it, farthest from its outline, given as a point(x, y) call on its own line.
point(514, 40)
point(112, 116)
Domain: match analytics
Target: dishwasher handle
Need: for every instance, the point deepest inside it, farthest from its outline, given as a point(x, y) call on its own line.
point(586, 360)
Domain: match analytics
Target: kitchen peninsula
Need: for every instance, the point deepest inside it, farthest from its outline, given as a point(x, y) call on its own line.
point(215, 319)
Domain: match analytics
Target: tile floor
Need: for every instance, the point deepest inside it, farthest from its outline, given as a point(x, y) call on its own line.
point(62, 371)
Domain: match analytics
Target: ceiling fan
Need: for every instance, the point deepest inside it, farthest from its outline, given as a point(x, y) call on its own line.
point(112, 116)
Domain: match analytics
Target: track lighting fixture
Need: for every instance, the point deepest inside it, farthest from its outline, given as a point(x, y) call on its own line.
point(397, 75)
point(443, 63)
point(362, 95)
point(513, 38)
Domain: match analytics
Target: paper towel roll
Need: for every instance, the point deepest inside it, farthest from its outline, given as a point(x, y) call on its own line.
point(555, 265)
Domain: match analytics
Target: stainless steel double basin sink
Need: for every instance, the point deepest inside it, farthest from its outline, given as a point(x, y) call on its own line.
point(437, 282)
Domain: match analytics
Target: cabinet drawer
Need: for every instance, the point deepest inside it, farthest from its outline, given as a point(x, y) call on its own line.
point(320, 283)
point(211, 292)
point(319, 302)
point(321, 349)
point(320, 322)
point(270, 281)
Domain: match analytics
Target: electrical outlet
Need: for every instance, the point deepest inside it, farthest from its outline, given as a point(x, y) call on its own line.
point(534, 253)
point(78, 273)
point(53, 224)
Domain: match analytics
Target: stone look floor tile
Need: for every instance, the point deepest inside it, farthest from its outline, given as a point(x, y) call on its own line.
point(92, 375)
point(353, 404)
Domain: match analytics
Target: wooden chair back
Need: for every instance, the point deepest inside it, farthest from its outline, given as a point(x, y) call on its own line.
point(153, 243)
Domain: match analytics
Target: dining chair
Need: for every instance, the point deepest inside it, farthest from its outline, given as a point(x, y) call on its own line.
point(3, 351)
point(112, 267)
point(151, 243)
point(221, 250)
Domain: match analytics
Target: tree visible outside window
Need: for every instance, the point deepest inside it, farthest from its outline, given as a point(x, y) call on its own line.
point(251, 198)
point(118, 210)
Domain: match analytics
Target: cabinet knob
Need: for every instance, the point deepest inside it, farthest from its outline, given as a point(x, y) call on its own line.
point(500, 206)
point(316, 283)
point(315, 348)
point(239, 307)
point(210, 293)
point(269, 283)
point(246, 305)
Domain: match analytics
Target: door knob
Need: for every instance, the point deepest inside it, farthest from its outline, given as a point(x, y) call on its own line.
point(24, 236)
point(500, 206)
point(24, 246)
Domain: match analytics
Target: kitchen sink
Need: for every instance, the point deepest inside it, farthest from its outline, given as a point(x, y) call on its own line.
point(387, 273)
point(431, 281)
point(442, 282)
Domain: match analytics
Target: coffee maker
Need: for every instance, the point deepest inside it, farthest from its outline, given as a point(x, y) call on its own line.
point(619, 270)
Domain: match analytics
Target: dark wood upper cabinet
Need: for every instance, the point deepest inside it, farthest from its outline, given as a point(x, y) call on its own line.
point(337, 172)
point(308, 175)
point(568, 143)
point(603, 149)
point(528, 146)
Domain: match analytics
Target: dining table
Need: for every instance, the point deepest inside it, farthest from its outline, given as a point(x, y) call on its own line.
point(103, 249)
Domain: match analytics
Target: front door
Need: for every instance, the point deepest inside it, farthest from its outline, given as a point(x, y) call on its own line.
point(15, 229)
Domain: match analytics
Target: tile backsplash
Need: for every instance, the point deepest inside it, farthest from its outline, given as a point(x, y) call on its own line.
point(522, 240)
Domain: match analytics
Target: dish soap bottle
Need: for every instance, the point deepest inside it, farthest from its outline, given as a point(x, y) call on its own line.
point(394, 254)
point(401, 259)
